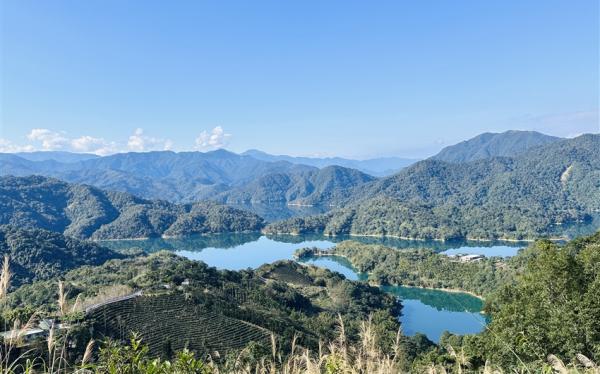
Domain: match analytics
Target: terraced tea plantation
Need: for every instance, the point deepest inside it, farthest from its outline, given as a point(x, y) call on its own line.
point(169, 320)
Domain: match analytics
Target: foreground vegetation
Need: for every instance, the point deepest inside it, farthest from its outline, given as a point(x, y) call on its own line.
point(186, 304)
point(291, 318)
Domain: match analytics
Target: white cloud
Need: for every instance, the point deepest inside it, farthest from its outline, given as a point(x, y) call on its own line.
point(40, 139)
point(89, 144)
point(50, 140)
point(138, 142)
point(217, 138)
point(6, 146)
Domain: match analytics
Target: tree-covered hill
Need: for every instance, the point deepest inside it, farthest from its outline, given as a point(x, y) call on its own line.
point(522, 198)
point(83, 211)
point(486, 145)
point(315, 187)
point(551, 307)
point(39, 254)
point(423, 267)
point(284, 298)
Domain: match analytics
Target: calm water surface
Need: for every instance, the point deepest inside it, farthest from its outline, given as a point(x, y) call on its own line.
point(280, 247)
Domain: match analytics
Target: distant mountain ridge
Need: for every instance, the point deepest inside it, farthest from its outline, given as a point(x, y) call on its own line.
point(378, 167)
point(59, 156)
point(191, 176)
point(507, 144)
point(516, 198)
point(83, 212)
point(254, 177)
point(177, 177)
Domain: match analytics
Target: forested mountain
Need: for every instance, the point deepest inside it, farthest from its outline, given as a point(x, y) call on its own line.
point(315, 187)
point(379, 167)
point(83, 211)
point(521, 197)
point(191, 176)
point(177, 177)
point(39, 254)
point(507, 144)
point(253, 177)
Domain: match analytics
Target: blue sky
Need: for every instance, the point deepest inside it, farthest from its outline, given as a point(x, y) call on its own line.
point(349, 78)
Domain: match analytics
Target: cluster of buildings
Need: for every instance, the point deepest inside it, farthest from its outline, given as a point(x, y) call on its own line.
point(467, 257)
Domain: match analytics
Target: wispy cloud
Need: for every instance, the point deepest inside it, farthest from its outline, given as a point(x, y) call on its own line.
point(47, 140)
point(217, 138)
point(9, 147)
point(139, 142)
point(90, 144)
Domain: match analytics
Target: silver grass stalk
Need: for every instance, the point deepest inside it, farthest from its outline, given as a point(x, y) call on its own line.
point(586, 362)
point(5, 277)
point(88, 352)
point(62, 298)
point(557, 364)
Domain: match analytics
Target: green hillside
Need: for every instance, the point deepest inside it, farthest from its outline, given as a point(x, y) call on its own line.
point(39, 254)
point(552, 307)
point(83, 211)
point(316, 187)
point(506, 144)
point(185, 300)
point(520, 198)
point(169, 323)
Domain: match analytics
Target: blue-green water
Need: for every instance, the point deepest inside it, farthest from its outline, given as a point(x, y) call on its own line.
point(279, 247)
point(339, 264)
point(425, 311)
point(431, 312)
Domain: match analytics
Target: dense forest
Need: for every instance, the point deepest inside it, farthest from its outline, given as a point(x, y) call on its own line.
point(316, 187)
point(83, 211)
point(507, 144)
point(551, 307)
point(424, 267)
point(39, 254)
point(524, 197)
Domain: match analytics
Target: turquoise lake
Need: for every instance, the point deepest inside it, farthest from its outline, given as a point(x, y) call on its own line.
point(430, 312)
point(425, 311)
